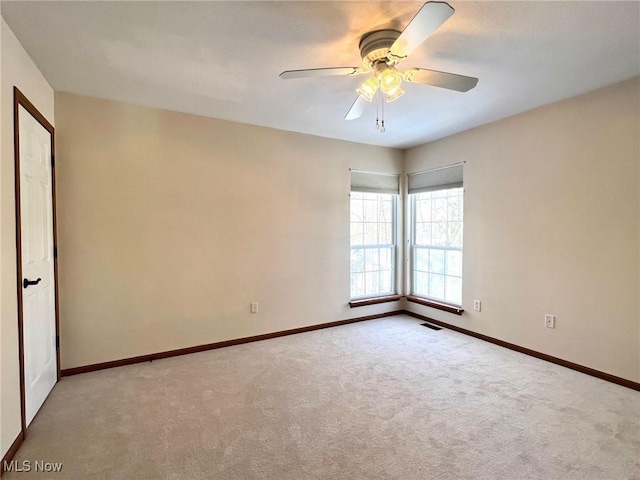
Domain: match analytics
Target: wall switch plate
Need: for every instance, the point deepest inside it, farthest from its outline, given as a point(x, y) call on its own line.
point(253, 307)
point(550, 321)
point(477, 305)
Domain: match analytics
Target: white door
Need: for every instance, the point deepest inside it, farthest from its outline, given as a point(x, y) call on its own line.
point(38, 282)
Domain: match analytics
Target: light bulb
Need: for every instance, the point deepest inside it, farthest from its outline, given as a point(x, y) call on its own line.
point(390, 80)
point(368, 89)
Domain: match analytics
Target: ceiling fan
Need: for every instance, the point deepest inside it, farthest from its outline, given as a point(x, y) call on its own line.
point(381, 51)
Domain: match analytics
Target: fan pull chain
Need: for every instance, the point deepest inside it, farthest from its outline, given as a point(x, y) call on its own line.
point(377, 105)
point(379, 100)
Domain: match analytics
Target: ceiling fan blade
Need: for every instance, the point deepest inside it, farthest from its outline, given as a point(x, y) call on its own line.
point(356, 109)
point(321, 72)
point(426, 21)
point(452, 81)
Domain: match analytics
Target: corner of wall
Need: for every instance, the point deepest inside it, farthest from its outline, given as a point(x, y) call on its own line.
point(17, 69)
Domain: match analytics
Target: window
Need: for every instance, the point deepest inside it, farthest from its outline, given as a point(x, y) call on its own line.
point(373, 234)
point(436, 199)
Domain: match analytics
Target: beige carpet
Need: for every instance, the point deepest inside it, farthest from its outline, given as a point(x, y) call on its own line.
point(384, 399)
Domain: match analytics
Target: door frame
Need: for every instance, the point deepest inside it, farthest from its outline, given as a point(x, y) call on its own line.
point(19, 99)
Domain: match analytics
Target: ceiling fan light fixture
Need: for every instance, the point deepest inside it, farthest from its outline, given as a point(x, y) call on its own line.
point(368, 89)
point(381, 51)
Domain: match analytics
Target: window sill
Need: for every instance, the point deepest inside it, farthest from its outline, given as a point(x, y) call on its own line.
point(373, 301)
point(440, 306)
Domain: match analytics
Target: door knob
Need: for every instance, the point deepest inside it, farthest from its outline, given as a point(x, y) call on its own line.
point(26, 283)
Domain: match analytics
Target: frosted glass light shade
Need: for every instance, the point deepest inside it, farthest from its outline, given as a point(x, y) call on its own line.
point(390, 80)
point(394, 94)
point(368, 89)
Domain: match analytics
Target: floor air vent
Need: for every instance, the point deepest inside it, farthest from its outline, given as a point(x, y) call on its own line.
point(432, 327)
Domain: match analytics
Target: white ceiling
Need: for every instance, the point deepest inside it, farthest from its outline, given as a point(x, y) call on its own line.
point(222, 59)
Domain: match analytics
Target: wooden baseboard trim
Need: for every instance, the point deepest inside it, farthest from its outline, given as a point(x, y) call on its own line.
point(212, 346)
point(527, 351)
point(227, 343)
point(12, 451)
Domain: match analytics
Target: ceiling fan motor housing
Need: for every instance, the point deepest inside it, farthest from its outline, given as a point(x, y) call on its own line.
point(374, 46)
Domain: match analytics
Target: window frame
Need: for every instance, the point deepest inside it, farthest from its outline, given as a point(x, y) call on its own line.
point(382, 296)
point(412, 258)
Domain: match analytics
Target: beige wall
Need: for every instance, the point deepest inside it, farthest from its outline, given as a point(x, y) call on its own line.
point(551, 226)
point(17, 70)
point(170, 224)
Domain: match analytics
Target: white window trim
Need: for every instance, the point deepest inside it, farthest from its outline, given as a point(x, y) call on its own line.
point(411, 257)
point(394, 254)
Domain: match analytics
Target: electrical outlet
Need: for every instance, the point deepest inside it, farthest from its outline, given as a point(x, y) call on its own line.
point(477, 305)
point(550, 321)
point(253, 307)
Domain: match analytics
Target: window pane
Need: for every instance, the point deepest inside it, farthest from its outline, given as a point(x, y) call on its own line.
point(439, 193)
point(370, 211)
point(370, 234)
point(386, 210)
point(453, 287)
point(372, 259)
point(423, 210)
point(436, 261)
point(357, 214)
point(386, 279)
point(386, 259)
point(454, 263)
point(455, 208)
point(439, 238)
point(438, 222)
point(421, 260)
point(385, 233)
point(357, 260)
point(455, 234)
point(440, 210)
point(357, 284)
point(421, 284)
point(371, 283)
point(356, 234)
point(423, 233)
point(373, 242)
point(436, 286)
